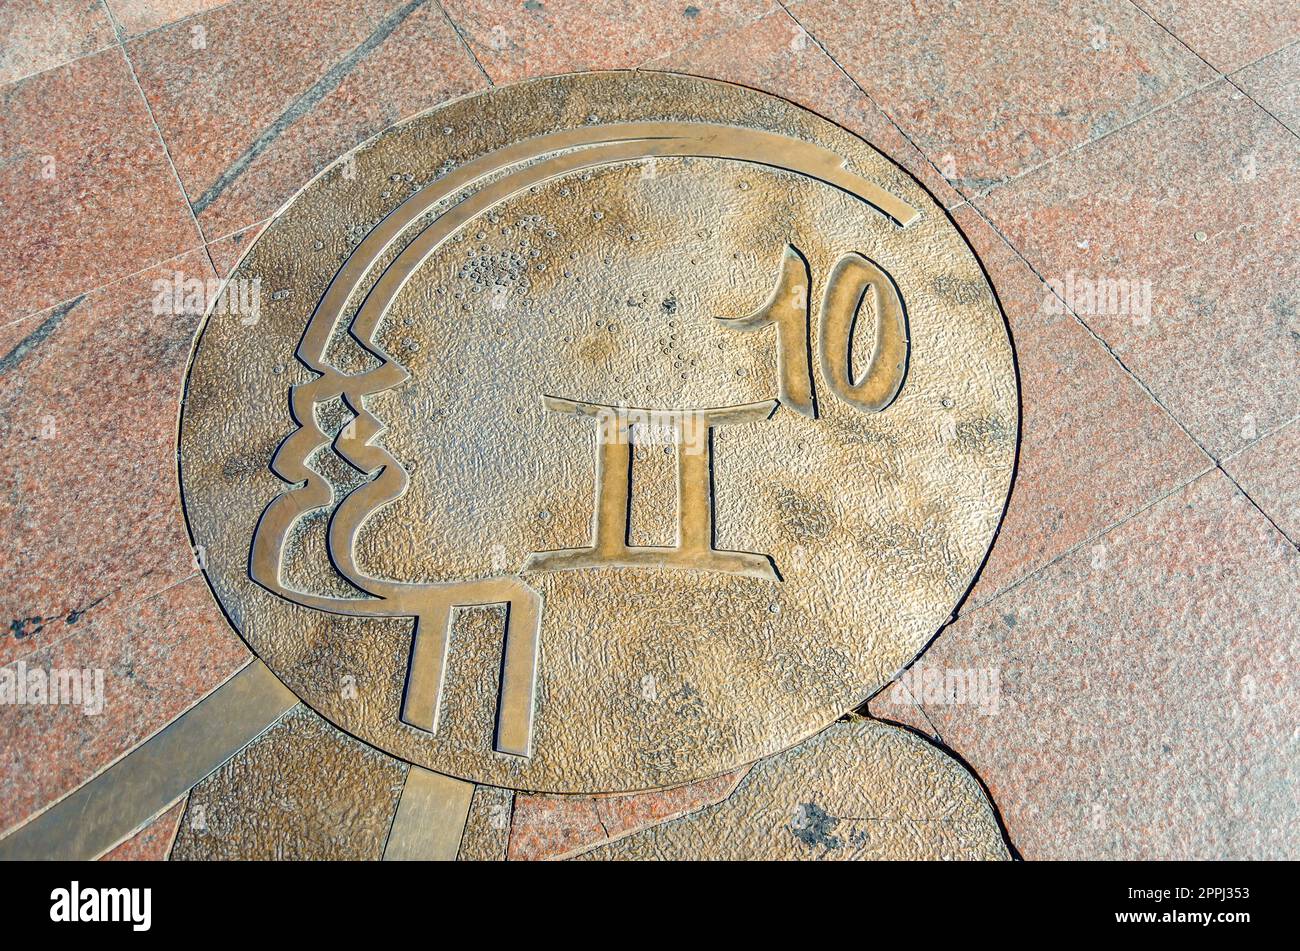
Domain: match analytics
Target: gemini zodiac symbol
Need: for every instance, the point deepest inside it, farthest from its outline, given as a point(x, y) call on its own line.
point(787, 309)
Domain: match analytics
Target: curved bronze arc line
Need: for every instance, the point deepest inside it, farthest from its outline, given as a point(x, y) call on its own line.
point(289, 461)
point(372, 248)
point(816, 161)
point(745, 145)
point(751, 147)
point(293, 452)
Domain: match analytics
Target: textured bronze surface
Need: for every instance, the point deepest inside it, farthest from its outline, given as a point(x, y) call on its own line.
point(117, 802)
point(303, 790)
point(859, 790)
point(487, 829)
point(510, 478)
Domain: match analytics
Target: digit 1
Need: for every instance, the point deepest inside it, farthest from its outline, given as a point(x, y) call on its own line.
point(787, 309)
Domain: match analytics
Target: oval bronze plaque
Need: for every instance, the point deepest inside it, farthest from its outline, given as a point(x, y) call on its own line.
point(599, 433)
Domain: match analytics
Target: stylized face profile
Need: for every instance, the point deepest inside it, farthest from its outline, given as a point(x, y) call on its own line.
point(600, 433)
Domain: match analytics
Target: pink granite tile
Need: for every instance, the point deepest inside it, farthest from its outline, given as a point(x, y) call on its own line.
point(1095, 448)
point(85, 189)
point(1228, 33)
point(550, 827)
point(140, 16)
point(1274, 83)
point(518, 40)
point(989, 89)
point(1148, 689)
point(1199, 204)
point(89, 504)
point(776, 55)
point(40, 34)
point(159, 656)
point(1269, 472)
point(153, 842)
point(244, 137)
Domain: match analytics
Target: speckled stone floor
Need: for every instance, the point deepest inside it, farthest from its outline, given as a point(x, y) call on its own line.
point(1140, 606)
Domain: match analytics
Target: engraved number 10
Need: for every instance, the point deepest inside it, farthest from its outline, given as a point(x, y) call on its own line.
point(851, 280)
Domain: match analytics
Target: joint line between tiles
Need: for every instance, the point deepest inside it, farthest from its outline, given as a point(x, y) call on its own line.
point(1174, 36)
point(1218, 76)
point(189, 205)
point(99, 287)
point(392, 820)
point(1150, 393)
point(1096, 336)
point(1262, 108)
point(20, 80)
point(1227, 76)
point(871, 99)
point(1044, 164)
point(704, 38)
point(510, 826)
point(934, 727)
point(1089, 539)
point(134, 602)
point(1247, 496)
point(1260, 438)
point(1087, 143)
point(469, 50)
point(184, 802)
point(170, 23)
point(144, 824)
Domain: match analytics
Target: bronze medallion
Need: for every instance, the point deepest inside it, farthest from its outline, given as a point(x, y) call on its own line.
point(602, 432)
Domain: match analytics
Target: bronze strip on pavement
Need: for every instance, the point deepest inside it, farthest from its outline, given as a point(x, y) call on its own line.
point(100, 814)
point(430, 818)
